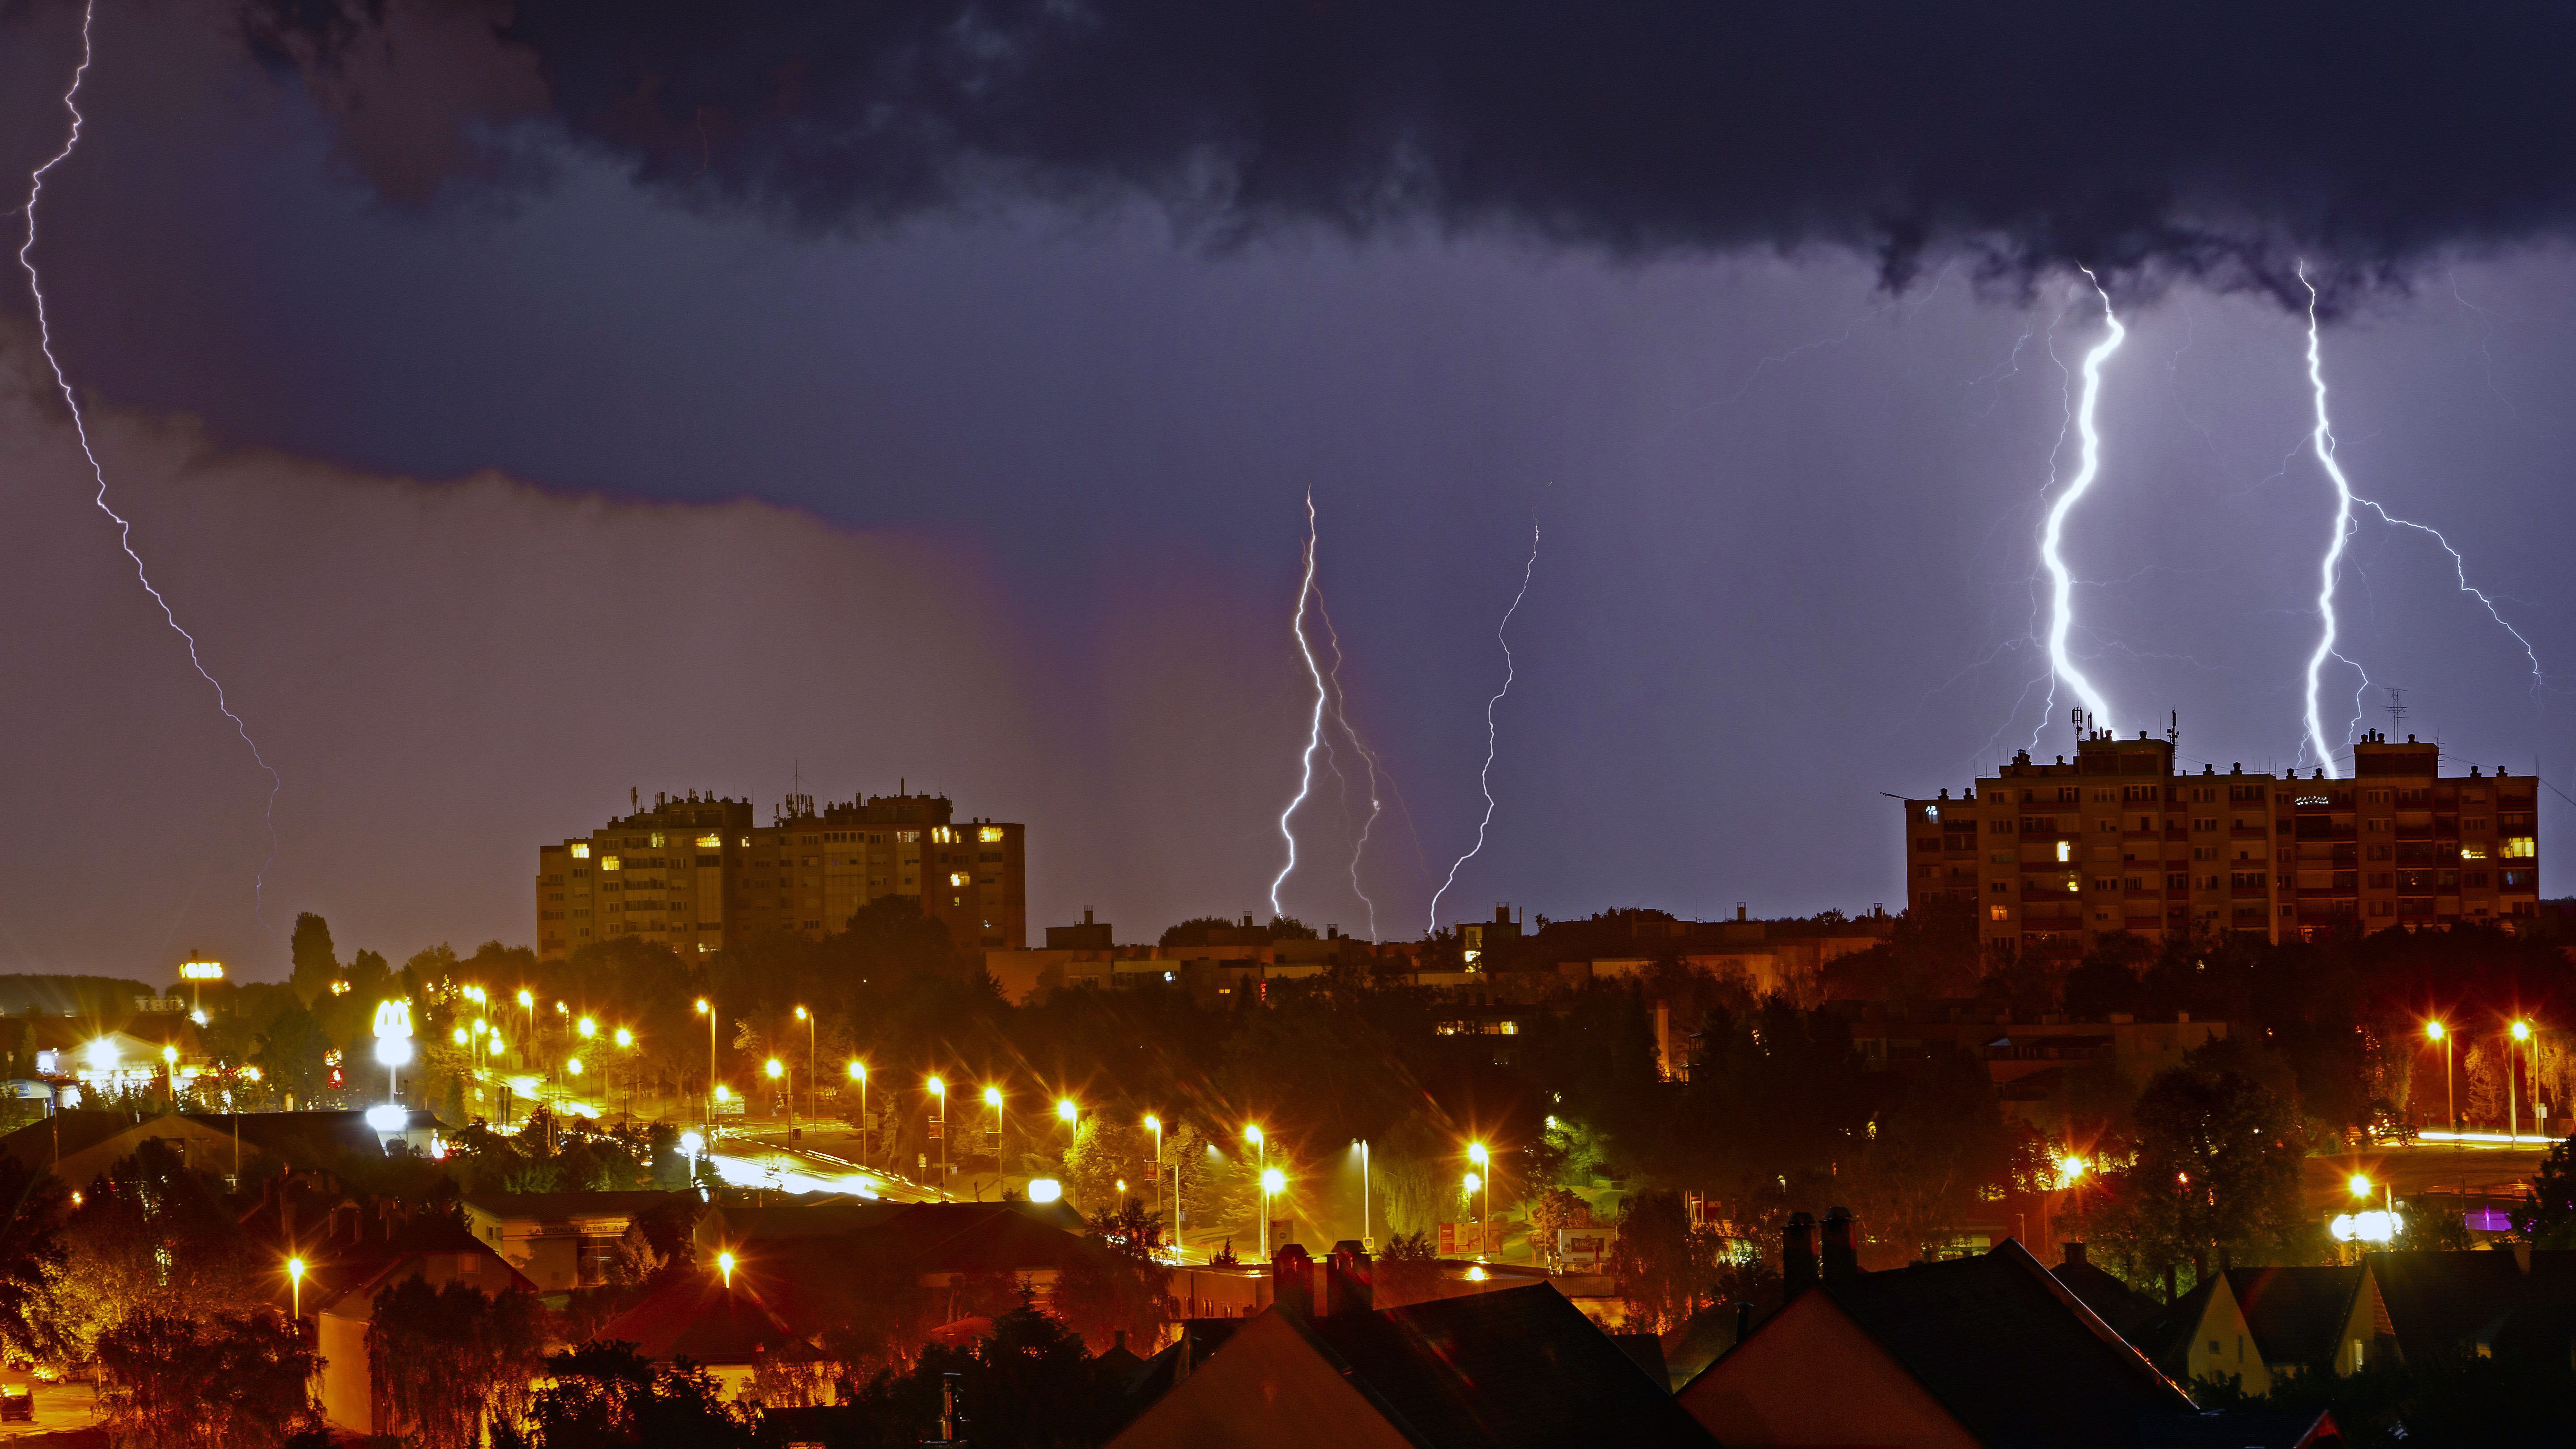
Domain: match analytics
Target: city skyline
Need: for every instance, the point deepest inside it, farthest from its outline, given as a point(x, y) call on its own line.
point(473, 564)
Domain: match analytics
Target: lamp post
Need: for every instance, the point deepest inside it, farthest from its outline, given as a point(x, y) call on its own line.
point(2520, 1032)
point(1272, 1181)
point(939, 1090)
point(1154, 1125)
point(1483, 1177)
point(295, 1278)
point(1367, 1243)
point(2435, 1031)
point(708, 1011)
point(2529, 1035)
point(993, 1099)
point(1471, 1183)
point(1066, 1113)
point(813, 1078)
point(626, 1043)
point(778, 1070)
point(859, 1074)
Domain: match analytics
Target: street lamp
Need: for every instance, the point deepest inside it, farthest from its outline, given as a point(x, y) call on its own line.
point(813, 1079)
point(2360, 1185)
point(708, 1011)
point(1065, 1111)
point(993, 1099)
point(777, 1070)
point(2521, 1031)
point(1484, 1221)
point(393, 1042)
point(2435, 1031)
point(859, 1074)
point(295, 1277)
point(587, 1028)
point(1272, 1181)
point(724, 1265)
point(1154, 1125)
point(2529, 1035)
point(1367, 1243)
point(939, 1089)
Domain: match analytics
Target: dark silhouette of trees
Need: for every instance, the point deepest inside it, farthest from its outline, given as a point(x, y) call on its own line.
point(2214, 1172)
point(1115, 1286)
point(1665, 1266)
point(443, 1360)
point(608, 1395)
point(31, 1257)
point(221, 1381)
point(317, 963)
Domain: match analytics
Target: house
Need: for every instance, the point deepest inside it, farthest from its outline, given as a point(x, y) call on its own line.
point(1520, 1368)
point(2111, 1300)
point(714, 1317)
point(342, 1302)
point(2258, 1325)
point(2480, 1303)
point(561, 1240)
point(1984, 1351)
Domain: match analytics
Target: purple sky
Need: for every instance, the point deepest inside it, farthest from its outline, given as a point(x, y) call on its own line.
point(489, 511)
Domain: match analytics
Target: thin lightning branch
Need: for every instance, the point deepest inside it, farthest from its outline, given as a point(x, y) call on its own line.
point(2321, 441)
point(80, 426)
point(2460, 570)
point(2062, 614)
point(1484, 777)
point(1368, 758)
point(1314, 723)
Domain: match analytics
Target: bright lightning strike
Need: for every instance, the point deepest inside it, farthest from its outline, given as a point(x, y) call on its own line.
point(1314, 722)
point(1484, 777)
point(2321, 440)
point(2089, 466)
point(80, 427)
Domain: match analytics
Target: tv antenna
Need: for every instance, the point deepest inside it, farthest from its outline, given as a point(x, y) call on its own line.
point(2396, 708)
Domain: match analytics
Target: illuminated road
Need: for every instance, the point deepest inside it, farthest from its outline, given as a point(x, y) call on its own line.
point(2487, 1163)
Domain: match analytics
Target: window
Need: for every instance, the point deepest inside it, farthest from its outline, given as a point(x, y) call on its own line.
point(2065, 850)
point(581, 850)
point(710, 842)
point(609, 862)
point(957, 878)
point(2516, 847)
point(990, 834)
point(656, 841)
point(2001, 913)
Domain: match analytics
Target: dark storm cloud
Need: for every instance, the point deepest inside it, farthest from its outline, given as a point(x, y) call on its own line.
point(2221, 141)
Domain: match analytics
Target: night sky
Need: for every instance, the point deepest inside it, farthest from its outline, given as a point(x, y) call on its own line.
point(610, 400)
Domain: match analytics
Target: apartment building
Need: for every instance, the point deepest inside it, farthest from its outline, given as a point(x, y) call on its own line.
point(2052, 856)
point(695, 872)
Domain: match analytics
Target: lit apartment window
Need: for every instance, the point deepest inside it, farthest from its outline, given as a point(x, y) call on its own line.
point(710, 842)
point(989, 834)
point(2517, 847)
point(608, 862)
point(581, 850)
point(656, 841)
point(957, 879)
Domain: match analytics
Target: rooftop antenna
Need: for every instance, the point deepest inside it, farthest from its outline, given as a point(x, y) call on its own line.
point(2396, 708)
point(2173, 731)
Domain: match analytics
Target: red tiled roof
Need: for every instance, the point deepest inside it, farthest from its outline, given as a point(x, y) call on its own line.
point(699, 1317)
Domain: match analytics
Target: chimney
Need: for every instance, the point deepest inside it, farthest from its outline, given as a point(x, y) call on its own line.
point(1086, 915)
point(1841, 1263)
point(1739, 910)
point(1347, 1287)
point(2074, 1256)
point(1292, 1281)
point(1798, 1256)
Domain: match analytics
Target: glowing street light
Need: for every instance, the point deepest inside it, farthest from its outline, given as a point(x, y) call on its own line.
point(295, 1277)
point(625, 1038)
point(707, 1010)
point(867, 1129)
point(939, 1089)
point(993, 1098)
point(2521, 1032)
point(2434, 1031)
point(1154, 1125)
point(813, 1076)
point(2360, 1185)
point(1273, 1182)
point(724, 1265)
point(777, 1071)
point(586, 1028)
point(1065, 1112)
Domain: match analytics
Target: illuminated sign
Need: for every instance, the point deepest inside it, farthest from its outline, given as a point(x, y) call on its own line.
point(201, 970)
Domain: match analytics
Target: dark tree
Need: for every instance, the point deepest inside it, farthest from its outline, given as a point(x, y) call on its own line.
point(1115, 1286)
point(607, 1395)
point(231, 1379)
point(2216, 1170)
point(1665, 1266)
point(292, 1056)
point(31, 1255)
point(443, 1360)
point(317, 964)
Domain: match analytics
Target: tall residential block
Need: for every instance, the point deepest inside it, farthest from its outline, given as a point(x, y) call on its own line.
point(695, 873)
point(2053, 856)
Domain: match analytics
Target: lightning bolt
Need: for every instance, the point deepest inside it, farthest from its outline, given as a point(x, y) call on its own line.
point(1314, 722)
point(2088, 467)
point(1368, 758)
point(80, 427)
point(1484, 777)
point(2322, 442)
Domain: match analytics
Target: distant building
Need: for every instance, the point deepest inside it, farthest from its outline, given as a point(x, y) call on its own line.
point(2052, 857)
point(696, 874)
